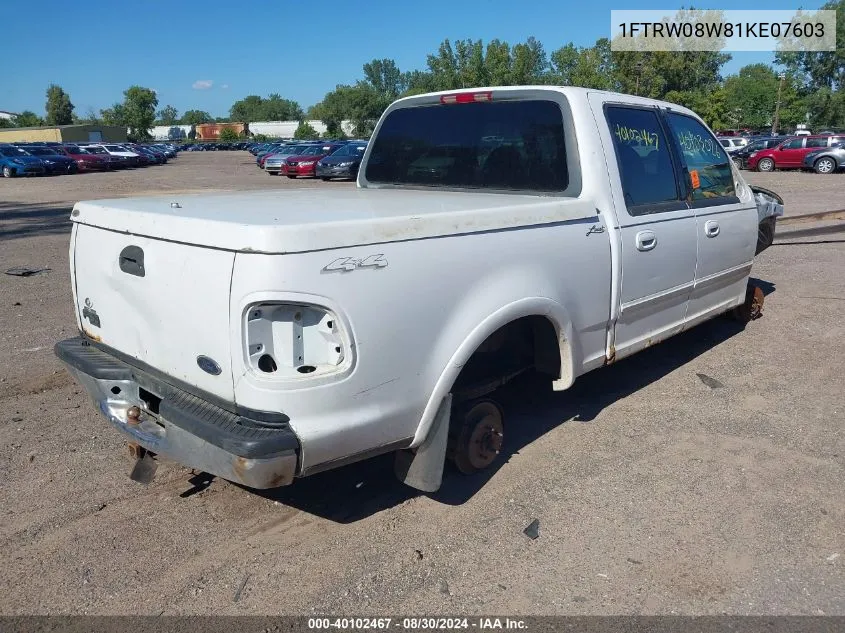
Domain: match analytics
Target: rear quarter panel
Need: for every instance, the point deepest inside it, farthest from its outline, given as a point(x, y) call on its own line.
point(411, 320)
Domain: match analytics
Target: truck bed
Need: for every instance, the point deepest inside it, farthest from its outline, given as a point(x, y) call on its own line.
point(304, 220)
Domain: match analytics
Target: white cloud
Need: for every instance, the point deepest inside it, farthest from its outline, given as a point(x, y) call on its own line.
point(202, 84)
point(225, 86)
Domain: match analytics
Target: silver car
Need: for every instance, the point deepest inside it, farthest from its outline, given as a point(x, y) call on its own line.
point(273, 163)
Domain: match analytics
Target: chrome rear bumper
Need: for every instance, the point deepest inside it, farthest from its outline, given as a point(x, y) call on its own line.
point(256, 449)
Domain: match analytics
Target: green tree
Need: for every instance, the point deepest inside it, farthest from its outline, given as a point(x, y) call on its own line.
point(751, 95)
point(139, 107)
point(497, 62)
point(59, 108)
point(385, 78)
point(820, 69)
point(530, 63)
point(305, 131)
point(275, 108)
point(247, 109)
point(90, 116)
point(27, 118)
point(228, 135)
point(5, 123)
point(589, 67)
point(195, 117)
point(115, 115)
point(168, 115)
point(417, 82)
point(710, 106)
point(826, 108)
point(655, 73)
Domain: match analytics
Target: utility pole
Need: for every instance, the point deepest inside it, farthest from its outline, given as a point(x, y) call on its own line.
point(639, 67)
point(776, 120)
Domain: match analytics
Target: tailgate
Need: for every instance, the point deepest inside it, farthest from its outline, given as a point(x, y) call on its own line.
point(163, 303)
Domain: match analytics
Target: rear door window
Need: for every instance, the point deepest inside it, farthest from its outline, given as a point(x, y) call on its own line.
point(649, 181)
point(816, 142)
point(707, 165)
point(516, 145)
point(796, 143)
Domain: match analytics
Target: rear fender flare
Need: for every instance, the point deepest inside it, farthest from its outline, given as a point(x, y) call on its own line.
point(530, 306)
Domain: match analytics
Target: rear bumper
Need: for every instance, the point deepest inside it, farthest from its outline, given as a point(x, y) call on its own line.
point(253, 448)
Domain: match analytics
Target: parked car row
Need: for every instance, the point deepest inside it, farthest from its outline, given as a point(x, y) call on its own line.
point(316, 159)
point(824, 154)
point(206, 146)
point(52, 158)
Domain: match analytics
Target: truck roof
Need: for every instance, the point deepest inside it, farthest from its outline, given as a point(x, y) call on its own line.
point(571, 92)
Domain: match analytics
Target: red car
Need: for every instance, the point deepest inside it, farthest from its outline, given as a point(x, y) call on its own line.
point(305, 164)
point(86, 161)
point(790, 154)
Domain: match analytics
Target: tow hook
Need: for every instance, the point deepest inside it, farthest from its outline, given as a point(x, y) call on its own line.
point(136, 451)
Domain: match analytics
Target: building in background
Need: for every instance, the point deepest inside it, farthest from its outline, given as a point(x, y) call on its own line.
point(83, 132)
point(7, 115)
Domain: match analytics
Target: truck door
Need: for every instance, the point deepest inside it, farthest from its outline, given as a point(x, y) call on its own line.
point(726, 227)
point(656, 227)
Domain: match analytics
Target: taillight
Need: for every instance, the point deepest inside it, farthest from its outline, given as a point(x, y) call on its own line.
point(467, 97)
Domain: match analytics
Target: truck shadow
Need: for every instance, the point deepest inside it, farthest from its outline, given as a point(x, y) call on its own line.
point(19, 220)
point(360, 490)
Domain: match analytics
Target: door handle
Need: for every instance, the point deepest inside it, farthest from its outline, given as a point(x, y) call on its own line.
point(646, 240)
point(131, 260)
point(711, 228)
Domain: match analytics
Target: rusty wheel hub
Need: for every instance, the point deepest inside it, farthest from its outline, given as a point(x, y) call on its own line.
point(485, 441)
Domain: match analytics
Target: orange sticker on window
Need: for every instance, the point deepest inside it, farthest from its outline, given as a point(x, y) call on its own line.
point(693, 174)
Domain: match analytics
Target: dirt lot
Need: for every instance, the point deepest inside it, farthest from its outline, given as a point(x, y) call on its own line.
point(657, 489)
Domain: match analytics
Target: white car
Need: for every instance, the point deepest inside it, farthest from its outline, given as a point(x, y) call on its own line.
point(733, 143)
point(269, 335)
point(121, 151)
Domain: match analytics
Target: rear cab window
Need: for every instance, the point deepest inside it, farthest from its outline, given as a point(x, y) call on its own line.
point(508, 145)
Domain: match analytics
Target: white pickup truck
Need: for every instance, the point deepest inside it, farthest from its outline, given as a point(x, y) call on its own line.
point(271, 335)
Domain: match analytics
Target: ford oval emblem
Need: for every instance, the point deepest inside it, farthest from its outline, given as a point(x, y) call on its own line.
point(208, 365)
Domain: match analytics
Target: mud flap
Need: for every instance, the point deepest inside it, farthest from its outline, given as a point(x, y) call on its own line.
point(144, 469)
point(423, 468)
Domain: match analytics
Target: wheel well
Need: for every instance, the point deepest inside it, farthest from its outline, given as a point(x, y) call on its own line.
point(530, 342)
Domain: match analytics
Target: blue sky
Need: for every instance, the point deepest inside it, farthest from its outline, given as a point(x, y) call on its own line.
point(207, 55)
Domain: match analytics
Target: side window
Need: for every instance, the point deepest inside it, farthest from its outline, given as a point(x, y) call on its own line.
point(648, 176)
point(816, 142)
point(795, 143)
point(709, 167)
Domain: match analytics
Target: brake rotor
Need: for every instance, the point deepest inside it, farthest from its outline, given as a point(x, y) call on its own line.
point(486, 435)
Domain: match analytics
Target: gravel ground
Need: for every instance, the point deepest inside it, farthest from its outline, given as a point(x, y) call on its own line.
point(657, 490)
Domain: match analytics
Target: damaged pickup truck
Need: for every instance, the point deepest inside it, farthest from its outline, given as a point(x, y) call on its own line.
point(266, 336)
